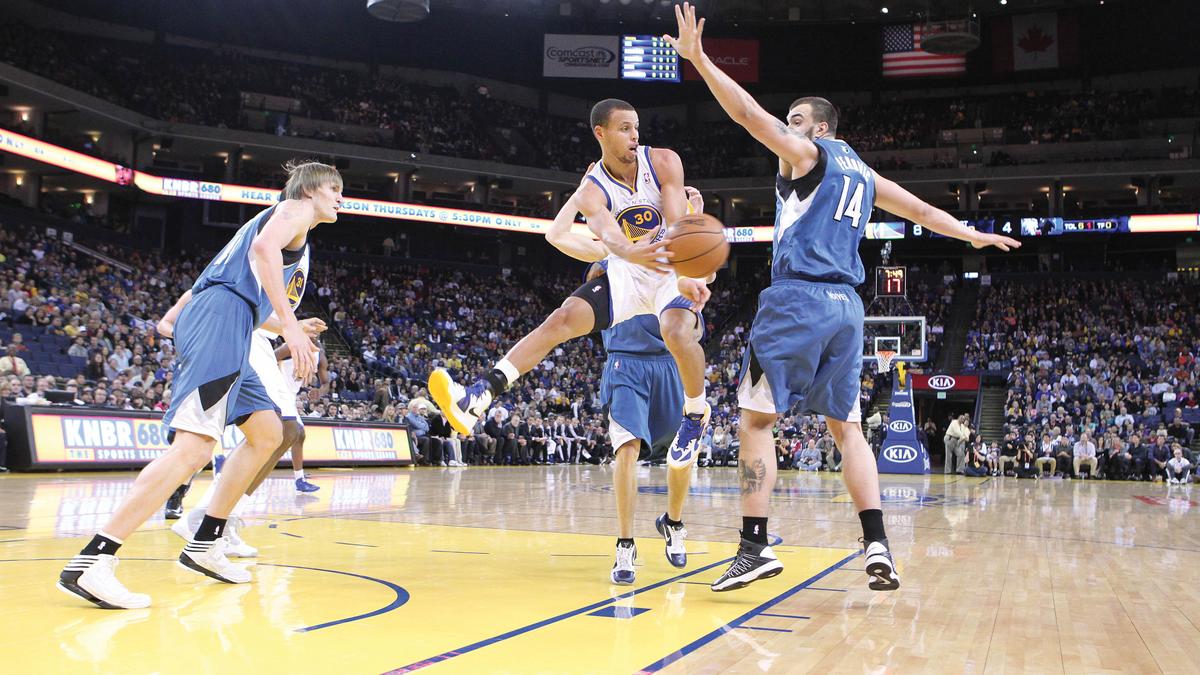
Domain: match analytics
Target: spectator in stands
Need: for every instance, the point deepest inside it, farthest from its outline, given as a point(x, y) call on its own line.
point(428, 448)
point(809, 458)
point(1179, 469)
point(1157, 457)
point(1026, 462)
point(1084, 454)
point(11, 363)
point(955, 440)
point(977, 458)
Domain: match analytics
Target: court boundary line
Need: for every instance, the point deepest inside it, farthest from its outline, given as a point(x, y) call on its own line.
point(737, 623)
point(402, 594)
point(487, 642)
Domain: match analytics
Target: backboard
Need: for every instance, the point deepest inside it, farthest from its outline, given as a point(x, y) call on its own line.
point(904, 335)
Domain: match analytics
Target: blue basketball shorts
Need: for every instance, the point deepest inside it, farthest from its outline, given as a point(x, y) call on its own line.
point(805, 351)
point(214, 384)
point(644, 397)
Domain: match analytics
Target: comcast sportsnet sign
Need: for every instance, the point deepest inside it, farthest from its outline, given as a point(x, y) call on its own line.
point(945, 382)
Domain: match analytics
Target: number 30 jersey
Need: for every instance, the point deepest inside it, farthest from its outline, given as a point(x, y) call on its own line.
point(821, 217)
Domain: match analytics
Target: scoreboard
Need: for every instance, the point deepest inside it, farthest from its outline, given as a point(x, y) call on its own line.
point(648, 58)
point(891, 281)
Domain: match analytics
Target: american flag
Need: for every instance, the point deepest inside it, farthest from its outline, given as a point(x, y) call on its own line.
point(902, 55)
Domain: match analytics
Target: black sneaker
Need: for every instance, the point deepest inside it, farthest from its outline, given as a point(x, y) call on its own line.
point(753, 562)
point(174, 508)
point(881, 568)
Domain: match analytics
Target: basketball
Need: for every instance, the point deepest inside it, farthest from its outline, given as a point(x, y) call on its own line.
point(699, 244)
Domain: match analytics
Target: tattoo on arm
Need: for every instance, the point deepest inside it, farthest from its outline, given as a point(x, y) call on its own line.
point(753, 476)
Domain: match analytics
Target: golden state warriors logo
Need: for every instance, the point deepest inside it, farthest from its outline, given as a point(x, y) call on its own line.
point(295, 287)
point(638, 221)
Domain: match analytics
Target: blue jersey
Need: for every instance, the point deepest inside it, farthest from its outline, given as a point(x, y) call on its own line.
point(821, 217)
point(638, 335)
point(234, 269)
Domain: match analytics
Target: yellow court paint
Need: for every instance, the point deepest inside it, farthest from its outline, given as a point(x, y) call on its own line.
point(526, 595)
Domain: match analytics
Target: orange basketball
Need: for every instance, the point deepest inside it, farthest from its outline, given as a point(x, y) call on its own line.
point(699, 243)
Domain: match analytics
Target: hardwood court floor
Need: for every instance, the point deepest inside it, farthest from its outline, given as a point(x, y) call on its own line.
point(506, 570)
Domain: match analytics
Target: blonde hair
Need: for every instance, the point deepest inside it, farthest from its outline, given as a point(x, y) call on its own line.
point(306, 177)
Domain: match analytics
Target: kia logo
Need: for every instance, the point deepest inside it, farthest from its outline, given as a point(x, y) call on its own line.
point(901, 426)
point(900, 454)
point(901, 404)
point(941, 382)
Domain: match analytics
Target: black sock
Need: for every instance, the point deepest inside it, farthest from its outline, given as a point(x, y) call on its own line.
point(671, 523)
point(100, 544)
point(624, 542)
point(497, 382)
point(872, 524)
point(210, 529)
point(755, 530)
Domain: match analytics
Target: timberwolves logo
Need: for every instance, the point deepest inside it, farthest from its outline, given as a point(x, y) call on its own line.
point(638, 221)
point(900, 454)
point(295, 287)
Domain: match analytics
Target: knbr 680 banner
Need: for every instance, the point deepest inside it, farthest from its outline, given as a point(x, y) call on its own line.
point(58, 438)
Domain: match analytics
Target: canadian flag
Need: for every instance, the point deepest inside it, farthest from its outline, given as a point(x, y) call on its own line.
point(1035, 41)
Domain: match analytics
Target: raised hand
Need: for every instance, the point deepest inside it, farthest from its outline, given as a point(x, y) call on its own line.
point(690, 31)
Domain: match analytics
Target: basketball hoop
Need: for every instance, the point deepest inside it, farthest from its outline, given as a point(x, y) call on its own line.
point(883, 360)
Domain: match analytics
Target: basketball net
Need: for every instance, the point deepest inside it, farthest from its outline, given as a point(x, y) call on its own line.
point(883, 361)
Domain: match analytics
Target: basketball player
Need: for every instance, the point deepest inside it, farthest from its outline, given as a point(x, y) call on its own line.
point(806, 341)
point(288, 365)
point(279, 385)
point(215, 384)
point(627, 197)
point(643, 394)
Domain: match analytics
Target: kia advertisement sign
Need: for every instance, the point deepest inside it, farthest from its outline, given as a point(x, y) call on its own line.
point(738, 58)
point(901, 450)
point(968, 383)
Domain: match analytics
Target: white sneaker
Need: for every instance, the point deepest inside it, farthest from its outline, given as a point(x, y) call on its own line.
point(208, 558)
point(880, 567)
point(186, 526)
point(622, 570)
point(237, 547)
point(93, 578)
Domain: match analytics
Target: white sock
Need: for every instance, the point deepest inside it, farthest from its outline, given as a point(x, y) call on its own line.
point(299, 475)
point(510, 371)
point(693, 405)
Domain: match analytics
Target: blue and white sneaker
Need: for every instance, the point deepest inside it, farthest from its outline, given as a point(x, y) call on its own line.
point(674, 536)
point(687, 439)
point(622, 571)
point(462, 405)
point(302, 485)
point(881, 568)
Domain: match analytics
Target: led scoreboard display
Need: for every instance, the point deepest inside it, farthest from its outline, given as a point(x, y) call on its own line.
point(891, 282)
point(648, 57)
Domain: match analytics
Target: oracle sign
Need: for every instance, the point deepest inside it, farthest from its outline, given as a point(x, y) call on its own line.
point(945, 382)
point(738, 58)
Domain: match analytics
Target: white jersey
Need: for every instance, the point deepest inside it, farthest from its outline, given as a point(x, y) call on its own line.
point(636, 208)
point(288, 366)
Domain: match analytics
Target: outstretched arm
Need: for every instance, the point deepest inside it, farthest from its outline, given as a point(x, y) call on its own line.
point(574, 244)
point(894, 199)
point(791, 147)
